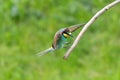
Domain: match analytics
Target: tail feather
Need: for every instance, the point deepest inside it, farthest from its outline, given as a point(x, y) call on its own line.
point(45, 51)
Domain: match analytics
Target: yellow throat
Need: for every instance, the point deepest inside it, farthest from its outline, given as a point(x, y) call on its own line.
point(66, 35)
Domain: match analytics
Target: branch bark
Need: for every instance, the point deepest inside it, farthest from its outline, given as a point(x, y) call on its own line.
point(98, 14)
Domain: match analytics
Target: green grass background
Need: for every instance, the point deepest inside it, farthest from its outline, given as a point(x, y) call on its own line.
point(28, 26)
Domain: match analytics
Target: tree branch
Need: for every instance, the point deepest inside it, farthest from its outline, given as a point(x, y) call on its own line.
point(98, 14)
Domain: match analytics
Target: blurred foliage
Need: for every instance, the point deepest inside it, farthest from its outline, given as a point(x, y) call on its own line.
point(28, 26)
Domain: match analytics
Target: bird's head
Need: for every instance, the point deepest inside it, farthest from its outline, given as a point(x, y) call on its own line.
point(66, 33)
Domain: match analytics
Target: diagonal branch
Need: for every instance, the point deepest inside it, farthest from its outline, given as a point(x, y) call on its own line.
point(98, 14)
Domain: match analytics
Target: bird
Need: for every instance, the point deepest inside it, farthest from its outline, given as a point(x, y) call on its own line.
point(60, 38)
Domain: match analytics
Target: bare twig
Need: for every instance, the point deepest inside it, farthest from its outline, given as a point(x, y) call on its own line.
point(98, 14)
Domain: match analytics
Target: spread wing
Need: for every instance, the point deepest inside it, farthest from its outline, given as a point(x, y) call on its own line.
point(75, 27)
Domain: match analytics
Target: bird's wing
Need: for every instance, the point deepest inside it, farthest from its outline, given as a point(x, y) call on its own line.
point(75, 27)
point(56, 39)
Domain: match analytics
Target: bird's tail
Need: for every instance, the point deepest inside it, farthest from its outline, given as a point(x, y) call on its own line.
point(45, 51)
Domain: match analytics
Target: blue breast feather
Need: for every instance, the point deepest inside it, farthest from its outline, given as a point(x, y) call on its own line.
point(62, 42)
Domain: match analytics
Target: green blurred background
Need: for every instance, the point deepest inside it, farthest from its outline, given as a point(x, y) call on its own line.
point(28, 26)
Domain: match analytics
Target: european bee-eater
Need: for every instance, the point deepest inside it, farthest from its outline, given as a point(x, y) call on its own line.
point(60, 38)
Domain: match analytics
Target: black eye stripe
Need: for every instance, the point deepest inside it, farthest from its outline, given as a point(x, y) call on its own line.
point(65, 33)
